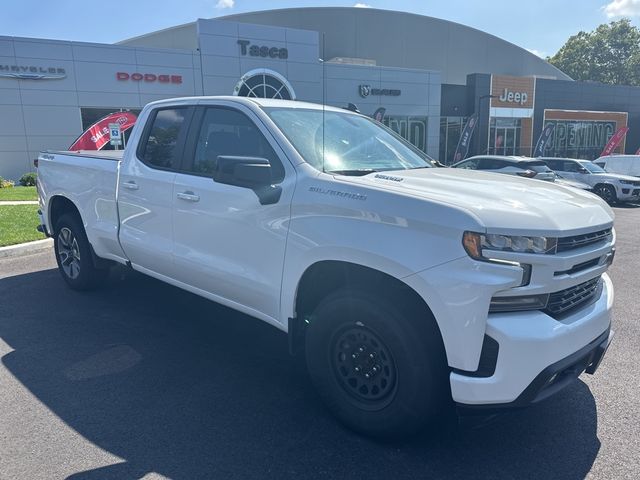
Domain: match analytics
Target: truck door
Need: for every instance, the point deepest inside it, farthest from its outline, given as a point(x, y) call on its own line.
point(145, 190)
point(230, 240)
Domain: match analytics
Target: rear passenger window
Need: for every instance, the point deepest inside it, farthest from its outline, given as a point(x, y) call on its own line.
point(469, 164)
point(161, 147)
point(554, 164)
point(227, 132)
point(491, 164)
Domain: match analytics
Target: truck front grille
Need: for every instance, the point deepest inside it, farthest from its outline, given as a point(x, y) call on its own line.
point(564, 301)
point(579, 241)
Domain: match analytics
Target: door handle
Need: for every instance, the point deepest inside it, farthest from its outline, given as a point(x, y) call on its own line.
point(189, 196)
point(131, 185)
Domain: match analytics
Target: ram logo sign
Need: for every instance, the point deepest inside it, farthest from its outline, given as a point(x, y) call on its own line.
point(366, 90)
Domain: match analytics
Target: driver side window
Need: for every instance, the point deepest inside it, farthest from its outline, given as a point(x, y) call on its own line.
point(571, 167)
point(228, 132)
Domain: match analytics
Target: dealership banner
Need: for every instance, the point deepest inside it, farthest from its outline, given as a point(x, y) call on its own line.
point(465, 139)
point(97, 135)
point(614, 141)
point(543, 140)
point(378, 115)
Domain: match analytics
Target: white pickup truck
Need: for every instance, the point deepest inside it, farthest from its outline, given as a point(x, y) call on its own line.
point(407, 288)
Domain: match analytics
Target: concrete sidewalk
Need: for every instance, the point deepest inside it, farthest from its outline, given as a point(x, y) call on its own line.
point(26, 248)
point(19, 202)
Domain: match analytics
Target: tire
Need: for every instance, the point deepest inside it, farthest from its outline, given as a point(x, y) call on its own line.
point(73, 255)
point(408, 384)
point(607, 193)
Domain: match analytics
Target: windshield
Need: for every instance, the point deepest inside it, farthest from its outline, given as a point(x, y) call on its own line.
point(353, 145)
point(592, 167)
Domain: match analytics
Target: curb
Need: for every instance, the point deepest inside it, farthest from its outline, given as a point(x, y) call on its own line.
point(26, 248)
point(18, 202)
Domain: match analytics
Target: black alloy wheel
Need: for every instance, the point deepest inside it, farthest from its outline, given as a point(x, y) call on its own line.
point(607, 193)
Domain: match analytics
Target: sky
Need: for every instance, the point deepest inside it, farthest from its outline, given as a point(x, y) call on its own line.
point(541, 26)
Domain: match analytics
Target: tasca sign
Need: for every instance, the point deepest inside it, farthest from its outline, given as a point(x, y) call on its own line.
point(31, 72)
point(512, 92)
point(264, 51)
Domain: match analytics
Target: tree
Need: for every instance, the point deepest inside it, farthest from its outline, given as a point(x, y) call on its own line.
point(609, 54)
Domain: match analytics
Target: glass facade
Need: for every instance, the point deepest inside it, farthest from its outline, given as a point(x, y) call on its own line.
point(450, 131)
point(579, 138)
point(504, 136)
point(411, 128)
point(92, 115)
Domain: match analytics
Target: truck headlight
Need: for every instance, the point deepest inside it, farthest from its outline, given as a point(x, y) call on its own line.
point(477, 245)
point(626, 182)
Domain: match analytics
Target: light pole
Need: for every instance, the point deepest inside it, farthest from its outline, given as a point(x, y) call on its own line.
point(480, 98)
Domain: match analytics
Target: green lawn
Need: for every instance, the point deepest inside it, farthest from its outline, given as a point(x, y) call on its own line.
point(18, 193)
point(18, 224)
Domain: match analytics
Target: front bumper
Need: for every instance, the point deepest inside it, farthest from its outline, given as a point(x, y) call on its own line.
point(628, 193)
point(538, 355)
point(552, 379)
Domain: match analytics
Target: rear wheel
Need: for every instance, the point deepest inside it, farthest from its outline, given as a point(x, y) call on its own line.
point(607, 193)
point(73, 255)
point(379, 368)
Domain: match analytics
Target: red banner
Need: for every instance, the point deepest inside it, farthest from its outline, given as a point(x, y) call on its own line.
point(614, 141)
point(97, 135)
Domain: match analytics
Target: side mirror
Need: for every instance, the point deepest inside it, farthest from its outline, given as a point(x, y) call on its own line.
point(247, 172)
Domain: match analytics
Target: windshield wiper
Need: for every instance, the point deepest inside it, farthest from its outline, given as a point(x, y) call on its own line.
point(356, 172)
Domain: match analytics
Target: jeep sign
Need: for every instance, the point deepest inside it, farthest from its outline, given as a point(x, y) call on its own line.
point(514, 97)
point(262, 50)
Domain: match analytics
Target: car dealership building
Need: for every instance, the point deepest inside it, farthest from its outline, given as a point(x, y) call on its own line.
point(429, 74)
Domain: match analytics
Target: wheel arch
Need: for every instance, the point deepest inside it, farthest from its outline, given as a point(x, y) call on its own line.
point(327, 276)
point(58, 206)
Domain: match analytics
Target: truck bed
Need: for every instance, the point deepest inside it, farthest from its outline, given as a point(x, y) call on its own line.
point(90, 182)
point(101, 154)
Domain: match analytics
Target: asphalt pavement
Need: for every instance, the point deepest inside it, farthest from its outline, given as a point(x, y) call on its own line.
point(143, 380)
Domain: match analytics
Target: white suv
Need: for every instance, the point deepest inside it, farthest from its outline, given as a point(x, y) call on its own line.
point(610, 186)
point(621, 164)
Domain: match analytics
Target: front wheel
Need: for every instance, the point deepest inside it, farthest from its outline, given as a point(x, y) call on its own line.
point(607, 193)
point(73, 255)
point(380, 369)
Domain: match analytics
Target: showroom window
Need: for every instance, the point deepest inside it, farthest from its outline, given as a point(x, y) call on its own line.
point(504, 136)
point(450, 131)
point(579, 138)
point(91, 115)
point(411, 128)
point(264, 83)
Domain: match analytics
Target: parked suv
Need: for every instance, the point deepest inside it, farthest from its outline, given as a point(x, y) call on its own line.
point(611, 187)
point(620, 164)
point(521, 166)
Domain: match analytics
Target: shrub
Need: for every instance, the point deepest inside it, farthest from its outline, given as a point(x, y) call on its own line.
point(28, 179)
point(5, 183)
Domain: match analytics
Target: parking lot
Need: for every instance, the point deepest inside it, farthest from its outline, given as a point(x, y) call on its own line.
point(144, 380)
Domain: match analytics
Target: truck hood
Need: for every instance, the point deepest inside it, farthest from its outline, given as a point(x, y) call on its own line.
point(502, 203)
